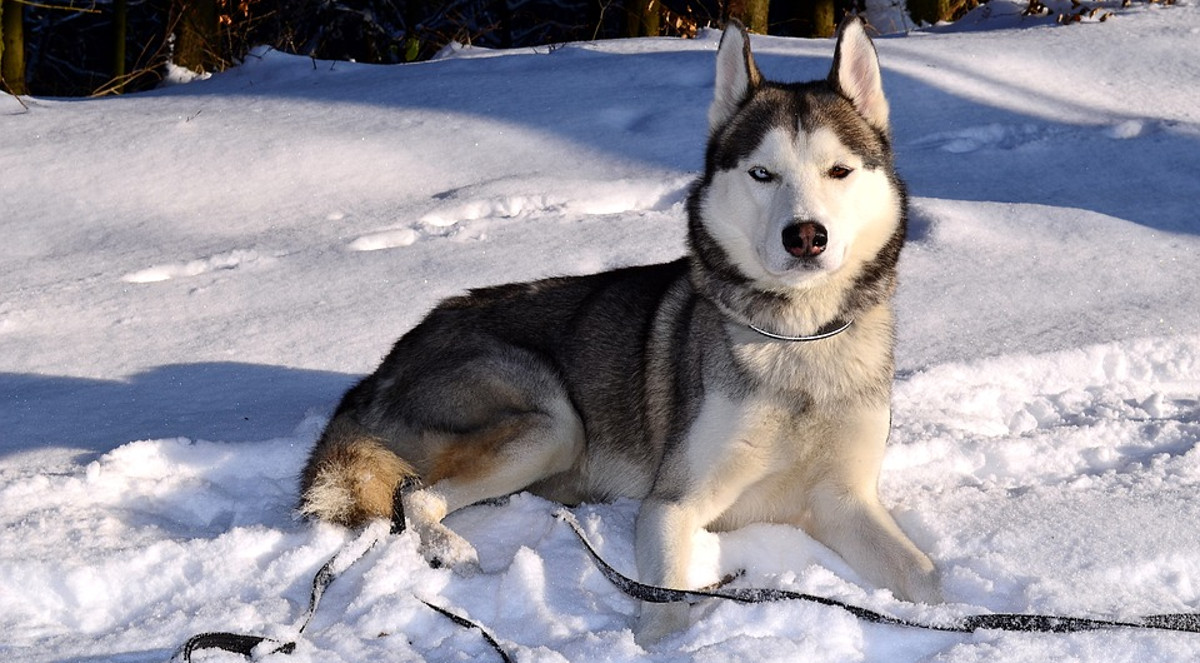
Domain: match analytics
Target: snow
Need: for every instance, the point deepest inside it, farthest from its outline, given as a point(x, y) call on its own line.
point(191, 277)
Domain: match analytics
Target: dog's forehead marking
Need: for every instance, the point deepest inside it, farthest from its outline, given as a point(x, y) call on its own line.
point(782, 147)
point(826, 146)
point(835, 114)
point(776, 147)
point(801, 111)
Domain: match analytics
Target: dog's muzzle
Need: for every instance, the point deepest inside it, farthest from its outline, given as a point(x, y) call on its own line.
point(806, 239)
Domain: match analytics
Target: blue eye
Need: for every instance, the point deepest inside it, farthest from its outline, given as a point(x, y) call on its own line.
point(761, 174)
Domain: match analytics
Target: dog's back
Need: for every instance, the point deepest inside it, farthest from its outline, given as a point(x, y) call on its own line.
point(485, 367)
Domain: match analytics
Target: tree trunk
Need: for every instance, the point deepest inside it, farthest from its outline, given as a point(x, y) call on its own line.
point(823, 18)
point(643, 18)
point(196, 35)
point(120, 25)
point(12, 46)
point(930, 11)
point(506, 23)
point(752, 14)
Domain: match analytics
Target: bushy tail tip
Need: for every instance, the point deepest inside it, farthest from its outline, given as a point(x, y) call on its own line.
point(351, 477)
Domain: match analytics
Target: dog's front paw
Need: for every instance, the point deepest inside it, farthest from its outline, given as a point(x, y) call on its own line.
point(658, 620)
point(442, 548)
point(922, 584)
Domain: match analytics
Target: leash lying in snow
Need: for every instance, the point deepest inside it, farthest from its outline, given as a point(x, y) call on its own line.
point(1187, 622)
point(254, 646)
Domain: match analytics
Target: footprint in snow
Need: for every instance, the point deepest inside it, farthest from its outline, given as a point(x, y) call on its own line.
point(985, 136)
point(465, 212)
point(235, 259)
point(386, 239)
point(1014, 136)
point(582, 198)
point(634, 120)
point(497, 207)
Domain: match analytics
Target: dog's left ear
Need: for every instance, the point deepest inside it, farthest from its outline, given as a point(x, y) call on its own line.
point(737, 75)
point(856, 75)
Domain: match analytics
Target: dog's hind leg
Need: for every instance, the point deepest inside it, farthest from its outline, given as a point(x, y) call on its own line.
point(498, 460)
point(476, 421)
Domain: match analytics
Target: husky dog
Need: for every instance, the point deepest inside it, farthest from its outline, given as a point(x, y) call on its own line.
point(748, 381)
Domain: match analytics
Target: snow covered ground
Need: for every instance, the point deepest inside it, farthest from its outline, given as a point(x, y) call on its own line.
point(189, 278)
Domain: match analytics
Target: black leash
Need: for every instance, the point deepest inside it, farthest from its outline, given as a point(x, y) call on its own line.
point(1186, 622)
point(256, 646)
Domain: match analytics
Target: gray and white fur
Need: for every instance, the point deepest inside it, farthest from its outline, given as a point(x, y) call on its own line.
point(652, 382)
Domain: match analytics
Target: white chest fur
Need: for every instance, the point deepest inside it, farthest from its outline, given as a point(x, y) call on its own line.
point(817, 418)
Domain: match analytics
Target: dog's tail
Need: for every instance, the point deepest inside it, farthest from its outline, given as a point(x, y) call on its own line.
point(351, 475)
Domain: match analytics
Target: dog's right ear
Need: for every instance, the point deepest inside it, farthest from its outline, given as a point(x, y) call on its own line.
point(737, 75)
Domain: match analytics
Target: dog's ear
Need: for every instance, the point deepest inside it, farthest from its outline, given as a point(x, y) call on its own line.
point(855, 73)
point(737, 75)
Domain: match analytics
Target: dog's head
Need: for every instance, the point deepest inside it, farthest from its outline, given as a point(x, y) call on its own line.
point(799, 183)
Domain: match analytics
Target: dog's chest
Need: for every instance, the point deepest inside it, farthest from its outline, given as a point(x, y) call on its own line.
point(800, 418)
point(817, 374)
point(851, 367)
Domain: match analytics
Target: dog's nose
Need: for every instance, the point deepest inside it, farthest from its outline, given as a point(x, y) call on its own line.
point(805, 239)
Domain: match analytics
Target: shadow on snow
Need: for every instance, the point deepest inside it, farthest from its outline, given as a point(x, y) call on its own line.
point(218, 401)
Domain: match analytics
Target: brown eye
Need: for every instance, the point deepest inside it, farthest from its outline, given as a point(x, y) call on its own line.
point(840, 172)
